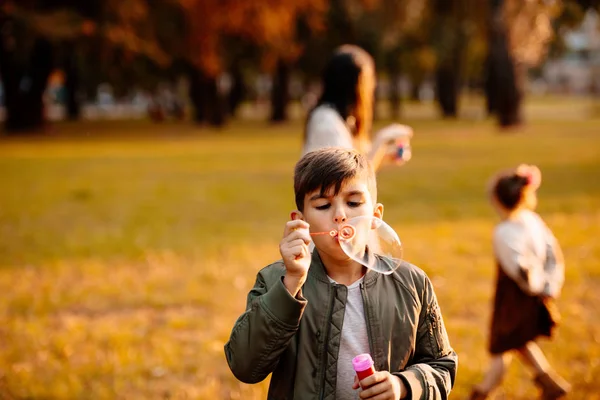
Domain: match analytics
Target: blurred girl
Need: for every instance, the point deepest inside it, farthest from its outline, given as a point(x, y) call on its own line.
point(344, 113)
point(530, 276)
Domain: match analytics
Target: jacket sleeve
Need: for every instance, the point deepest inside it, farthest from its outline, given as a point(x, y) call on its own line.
point(432, 371)
point(263, 332)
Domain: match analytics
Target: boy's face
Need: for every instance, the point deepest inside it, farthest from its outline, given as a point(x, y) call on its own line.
point(328, 212)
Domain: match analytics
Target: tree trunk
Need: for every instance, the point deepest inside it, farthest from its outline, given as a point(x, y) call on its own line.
point(507, 79)
point(489, 86)
point(450, 49)
point(447, 89)
point(237, 92)
point(341, 28)
point(415, 90)
point(24, 82)
point(72, 86)
point(279, 93)
point(394, 94)
point(216, 116)
point(198, 95)
point(206, 99)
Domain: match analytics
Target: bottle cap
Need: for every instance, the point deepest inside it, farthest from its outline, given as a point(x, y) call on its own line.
point(362, 362)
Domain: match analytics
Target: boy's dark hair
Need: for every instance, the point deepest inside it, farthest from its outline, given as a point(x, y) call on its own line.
point(330, 168)
point(508, 190)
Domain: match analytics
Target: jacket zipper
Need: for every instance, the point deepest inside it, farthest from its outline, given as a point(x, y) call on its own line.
point(367, 316)
point(326, 338)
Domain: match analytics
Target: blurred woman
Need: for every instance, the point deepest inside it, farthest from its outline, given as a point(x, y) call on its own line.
point(343, 115)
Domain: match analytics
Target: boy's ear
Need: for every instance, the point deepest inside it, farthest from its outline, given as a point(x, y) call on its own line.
point(296, 215)
point(378, 211)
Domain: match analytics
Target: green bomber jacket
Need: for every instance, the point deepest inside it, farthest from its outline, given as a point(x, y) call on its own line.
point(297, 339)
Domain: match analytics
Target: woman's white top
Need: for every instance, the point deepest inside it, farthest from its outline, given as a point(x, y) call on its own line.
point(326, 128)
point(529, 253)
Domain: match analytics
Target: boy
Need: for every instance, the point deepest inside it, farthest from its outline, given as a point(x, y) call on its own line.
point(309, 315)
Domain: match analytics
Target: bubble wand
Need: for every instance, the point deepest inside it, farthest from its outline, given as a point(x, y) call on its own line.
point(346, 232)
point(369, 241)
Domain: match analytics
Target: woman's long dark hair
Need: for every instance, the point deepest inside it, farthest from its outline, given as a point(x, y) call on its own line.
point(344, 87)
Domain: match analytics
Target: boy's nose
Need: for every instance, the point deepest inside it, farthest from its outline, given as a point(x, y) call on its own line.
point(339, 219)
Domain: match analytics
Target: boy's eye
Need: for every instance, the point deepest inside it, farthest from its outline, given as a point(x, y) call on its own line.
point(323, 207)
point(355, 203)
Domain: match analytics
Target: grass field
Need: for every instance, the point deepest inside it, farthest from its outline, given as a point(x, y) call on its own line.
point(127, 249)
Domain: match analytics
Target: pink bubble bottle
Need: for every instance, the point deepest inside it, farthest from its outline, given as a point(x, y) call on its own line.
point(363, 365)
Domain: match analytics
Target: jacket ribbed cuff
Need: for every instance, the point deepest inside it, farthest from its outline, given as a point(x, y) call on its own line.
point(414, 382)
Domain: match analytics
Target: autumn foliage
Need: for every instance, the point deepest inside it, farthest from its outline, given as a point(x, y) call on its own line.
point(269, 24)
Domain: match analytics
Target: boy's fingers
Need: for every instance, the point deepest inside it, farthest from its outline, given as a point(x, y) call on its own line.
point(295, 250)
point(372, 391)
point(291, 226)
point(372, 383)
point(372, 380)
point(304, 235)
point(298, 234)
point(368, 381)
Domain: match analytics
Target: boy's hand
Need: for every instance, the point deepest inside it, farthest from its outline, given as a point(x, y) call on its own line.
point(295, 254)
point(381, 386)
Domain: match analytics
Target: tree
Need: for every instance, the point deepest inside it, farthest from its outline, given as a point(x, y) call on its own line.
point(270, 25)
point(398, 30)
point(519, 34)
point(381, 27)
point(451, 22)
point(38, 36)
point(26, 61)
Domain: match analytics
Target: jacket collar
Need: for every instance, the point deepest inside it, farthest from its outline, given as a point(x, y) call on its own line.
point(317, 270)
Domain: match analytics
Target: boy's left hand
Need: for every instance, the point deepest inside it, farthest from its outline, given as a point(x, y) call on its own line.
point(381, 386)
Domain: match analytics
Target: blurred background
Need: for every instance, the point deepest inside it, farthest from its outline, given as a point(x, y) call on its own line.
point(205, 60)
point(146, 159)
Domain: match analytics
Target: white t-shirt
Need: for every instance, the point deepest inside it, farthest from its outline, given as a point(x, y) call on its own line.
point(326, 128)
point(354, 341)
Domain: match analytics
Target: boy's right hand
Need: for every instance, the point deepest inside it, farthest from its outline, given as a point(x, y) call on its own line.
point(295, 254)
